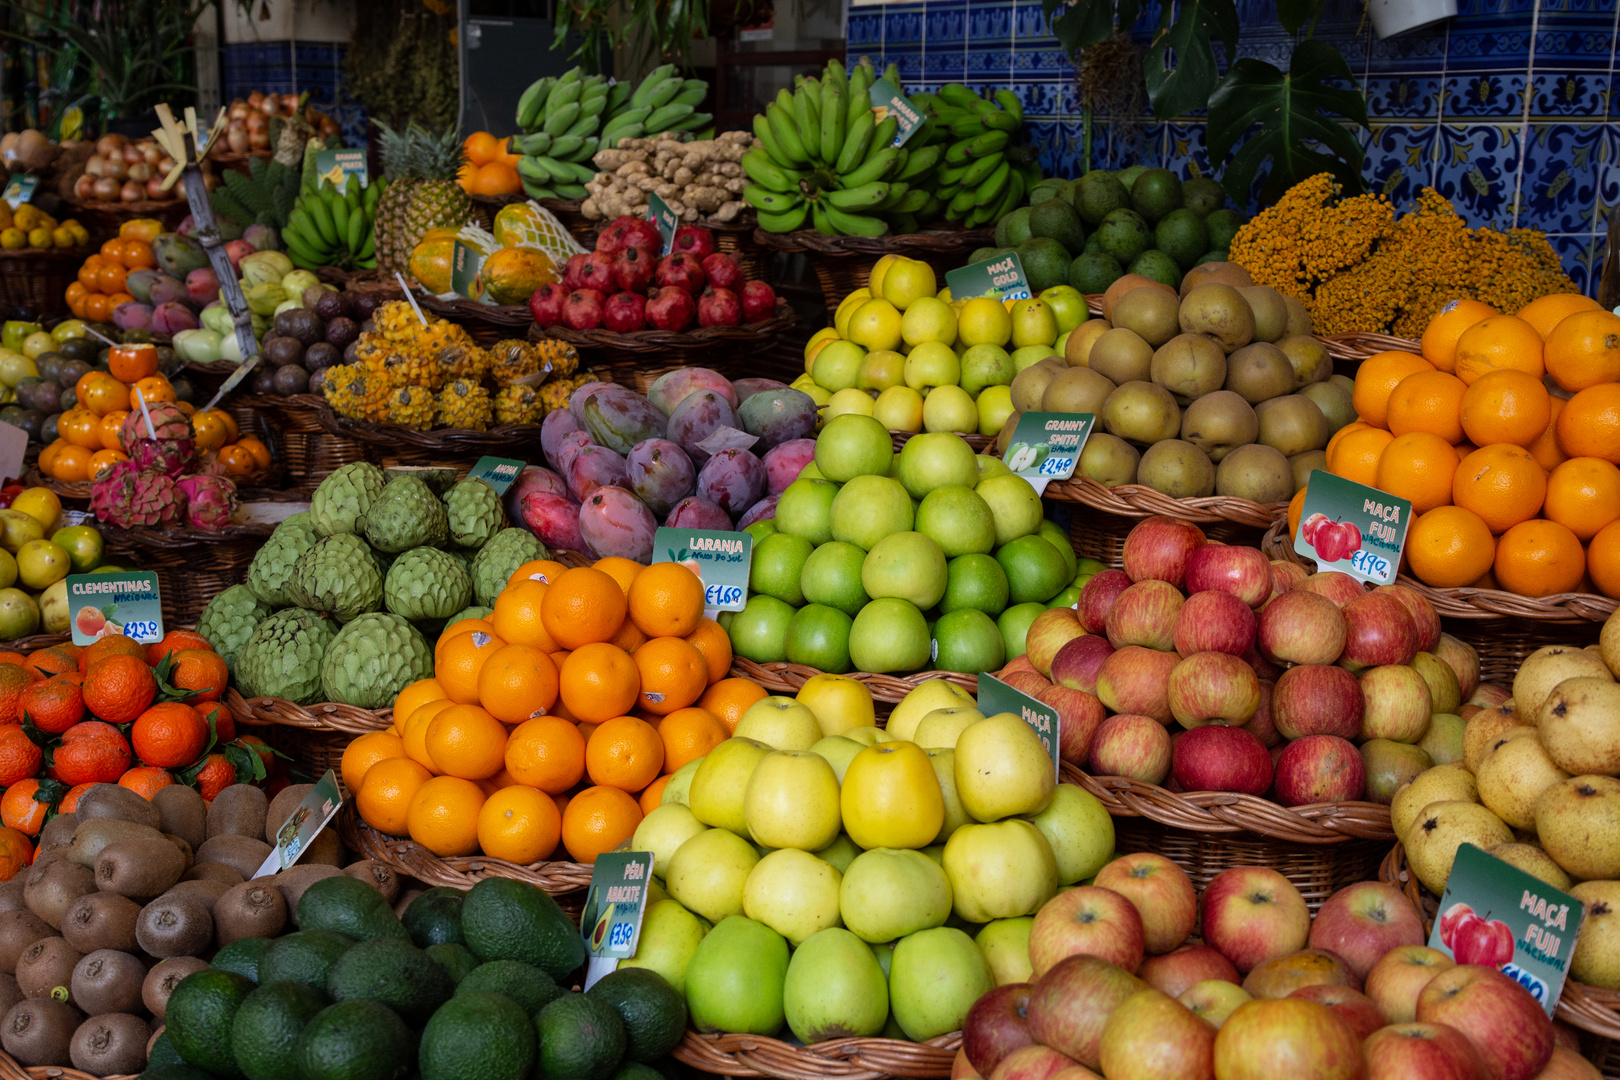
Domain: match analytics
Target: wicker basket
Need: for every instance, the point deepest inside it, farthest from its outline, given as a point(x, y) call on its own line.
point(844, 263)
point(783, 678)
point(39, 279)
point(453, 448)
point(485, 323)
point(313, 737)
point(10, 1069)
point(1101, 517)
point(979, 443)
point(192, 567)
point(1358, 346)
point(836, 1059)
point(28, 644)
point(105, 218)
point(309, 452)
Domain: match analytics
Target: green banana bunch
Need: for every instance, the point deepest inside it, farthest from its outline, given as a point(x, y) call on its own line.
point(980, 169)
point(331, 228)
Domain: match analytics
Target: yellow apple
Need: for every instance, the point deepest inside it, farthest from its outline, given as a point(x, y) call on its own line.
point(679, 788)
point(669, 936)
point(792, 801)
point(1005, 944)
point(891, 798)
point(888, 894)
point(1078, 828)
point(838, 702)
point(708, 872)
point(906, 281)
point(663, 831)
point(793, 893)
point(930, 695)
point(780, 723)
point(944, 762)
point(1000, 871)
point(840, 853)
point(1002, 769)
point(720, 783)
point(942, 727)
point(869, 736)
point(839, 750)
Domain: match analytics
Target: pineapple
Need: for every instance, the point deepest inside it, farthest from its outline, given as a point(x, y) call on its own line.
point(412, 407)
point(465, 404)
point(357, 393)
point(422, 193)
point(519, 405)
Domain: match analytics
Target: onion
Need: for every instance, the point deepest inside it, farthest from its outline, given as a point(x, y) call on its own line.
point(140, 172)
point(254, 98)
point(95, 165)
point(151, 154)
point(238, 110)
point(165, 163)
point(268, 104)
point(108, 145)
point(116, 169)
point(154, 189)
point(84, 188)
point(259, 140)
point(132, 154)
point(132, 192)
point(289, 104)
point(210, 181)
point(258, 122)
point(105, 189)
point(238, 140)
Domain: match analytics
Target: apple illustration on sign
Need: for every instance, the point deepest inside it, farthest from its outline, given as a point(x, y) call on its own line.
point(1333, 540)
point(1473, 939)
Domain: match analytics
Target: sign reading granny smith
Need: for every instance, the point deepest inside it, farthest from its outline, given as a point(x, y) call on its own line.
point(1001, 278)
point(720, 560)
point(1353, 528)
point(336, 166)
point(498, 472)
point(127, 603)
point(20, 190)
point(887, 101)
point(467, 273)
point(996, 696)
point(1046, 446)
point(615, 904)
point(667, 221)
point(1498, 916)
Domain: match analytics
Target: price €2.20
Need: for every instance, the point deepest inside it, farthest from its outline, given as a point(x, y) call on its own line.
point(143, 630)
point(722, 595)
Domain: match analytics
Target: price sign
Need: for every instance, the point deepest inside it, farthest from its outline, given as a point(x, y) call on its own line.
point(336, 166)
point(20, 190)
point(887, 101)
point(498, 472)
point(614, 908)
point(1000, 278)
point(1046, 446)
point(659, 213)
point(721, 560)
point(1498, 916)
point(100, 605)
point(1351, 527)
point(467, 273)
point(996, 696)
point(303, 825)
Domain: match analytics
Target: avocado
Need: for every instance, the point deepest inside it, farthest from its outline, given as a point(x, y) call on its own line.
point(581, 1038)
point(1045, 262)
point(1013, 229)
point(456, 958)
point(162, 1052)
point(1099, 194)
point(1181, 235)
point(1124, 235)
point(304, 957)
point(199, 1015)
point(348, 906)
point(1093, 272)
point(434, 918)
point(1060, 221)
point(483, 1036)
point(242, 956)
point(1203, 195)
point(529, 987)
point(1223, 225)
point(264, 1034)
point(1155, 193)
point(654, 1014)
point(394, 972)
point(1155, 264)
point(354, 1040)
point(502, 919)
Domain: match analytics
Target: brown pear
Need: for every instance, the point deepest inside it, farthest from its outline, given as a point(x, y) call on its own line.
point(1580, 725)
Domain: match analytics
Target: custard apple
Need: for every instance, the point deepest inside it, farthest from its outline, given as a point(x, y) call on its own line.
point(438, 480)
point(426, 583)
point(230, 619)
point(499, 559)
point(473, 612)
point(406, 515)
point(372, 659)
point(475, 512)
point(338, 575)
point(272, 566)
point(282, 658)
point(342, 500)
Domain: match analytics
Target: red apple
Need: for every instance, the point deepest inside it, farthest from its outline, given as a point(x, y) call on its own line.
point(1421, 1052)
point(1216, 621)
point(1285, 575)
point(1212, 688)
point(1489, 695)
point(1079, 714)
point(1078, 661)
point(1352, 1006)
point(1151, 1036)
point(1567, 1064)
point(1237, 570)
point(1214, 1000)
point(1262, 725)
point(1396, 980)
point(996, 1025)
point(1282, 975)
point(1161, 891)
point(1320, 769)
point(1160, 547)
point(1028, 681)
point(1070, 1004)
point(1364, 922)
point(1463, 659)
point(1395, 703)
point(1184, 968)
point(1316, 699)
point(1097, 596)
point(1301, 627)
point(1378, 630)
point(1033, 1062)
point(1133, 746)
point(1483, 941)
point(1340, 588)
point(1051, 629)
point(1134, 679)
point(1508, 1027)
point(1253, 914)
point(1216, 758)
point(1086, 921)
point(1287, 1038)
point(1145, 614)
point(1425, 619)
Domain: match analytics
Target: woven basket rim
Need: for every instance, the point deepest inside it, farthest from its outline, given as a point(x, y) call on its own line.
point(743, 222)
point(53, 254)
point(836, 1059)
point(329, 716)
point(119, 208)
point(259, 482)
point(444, 440)
point(654, 341)
point(784, 678)
point(12, 1069)
point(461, 872)
point(36, 641)
point(169, 538)
point(1360, 344)
point(1139, 500)
point(928, 241)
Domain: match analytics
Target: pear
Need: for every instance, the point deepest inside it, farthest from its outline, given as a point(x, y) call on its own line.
point(1578, 821)
point(1443, 783)
point(1597, 950)
point(1440, 829)
point(1514, 774)
point(1533, 860)
point(1580, 725)
point(1481, 733)
point(1609, 642)
point(1546, 668)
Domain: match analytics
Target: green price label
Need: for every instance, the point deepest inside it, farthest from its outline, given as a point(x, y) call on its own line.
point(615, 904)
point(1000, 278)
point(336, 166)
point(996, 697)
point(467, 273)
point(20, 190)
point(498, 472)
point(1351, 527)
point(887, 101)
point(659, 213)
point(1046, 446)
point(304, 824)
point(721, 560)
point(1498, 916)
point(100, 605)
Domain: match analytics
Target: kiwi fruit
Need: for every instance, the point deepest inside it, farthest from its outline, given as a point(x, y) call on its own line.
point(174, 926)
point(239, 810)
point(294, 880)
point(10, 993)
point(49, 889)
point(113, 801)
point(326, 850)
point(214, 871)
point(184, 813)
point(253, 909)
point(93, 835)
point(110, 1044)
point(18, 930)
point(58, 832)
point(101, 920)
point(46, 966)
point(139, 868)
point(163, 978)
point(206, 893)
point(378, 876)
point(282, 806)
point(39, 1032)
point(185, 849)
point(108, 980)
point(11, 895)
point(245, 853)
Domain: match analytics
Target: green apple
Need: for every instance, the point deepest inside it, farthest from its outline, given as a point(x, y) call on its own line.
point(1014, 505)
point(931, 364)
point(669, 936)
point(929, 695)
point(856, 402)
point(986, 365)
point(679, 788)
point(839, 751)
point(880, 370)
point(851, 446)
point(1033, 323)
point(837, 366)
point(1078, 828)
point(1005, 944)
point(956, 518)
point(935, 976)
point(906, 566)
point(805, 509)
point(734, 981)
point(838, 701)
point(941, 728)
point(869, 735)
point(995, 407)
point(928, 319)
point(899, 408)
point(835, 987)
point(1030, 355)
point(793, 893)
point(944, 762)
point(792, 801)
point(1000, 871)
point(992, 466)
point(781, 723)
point(1002, 769)
point(949, 408)
point(720, 783)
point(888, 893)
point(707, 873)
point(1068, 305)
point(840, 853)
point(867, 509)
point(936, 460)
point(663, 831)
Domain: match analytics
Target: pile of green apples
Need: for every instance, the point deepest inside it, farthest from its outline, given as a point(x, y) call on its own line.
point(39, 548)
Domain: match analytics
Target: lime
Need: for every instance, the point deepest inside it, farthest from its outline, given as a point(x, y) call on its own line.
point(1094, 271)
point(818, 636)
point(1059, 539)
point(958, 520)
point(1035, 570)
point(805, 509)
point(778, 562)
point(1156, 192)
point(974, 581)
point(889, 635)
point(1014, 624)
point(832, 576)
point(968, 640)
point(759, 630)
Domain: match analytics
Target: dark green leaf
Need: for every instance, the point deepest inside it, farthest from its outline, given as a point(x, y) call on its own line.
point(1180, 89)
point(1293, 118)
point(1294, 14)
point(1083, 23)
point(50, 791)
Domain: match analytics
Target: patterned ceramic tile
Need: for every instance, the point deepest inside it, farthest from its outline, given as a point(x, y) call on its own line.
point(1185, 151)
point(903, 27)
point(989, 22)
point(945, 23)
point(1400, 160)
point(1582, 257)
point(1481, 94)
point(1574, 38)
point(943, 64)
point(1419, 50)
point(864, 28)
point(1478, 171)
point(1404, 96)
point(1494, 7)
point(1559, 180)
point(1488, 43)
point(1576, 94)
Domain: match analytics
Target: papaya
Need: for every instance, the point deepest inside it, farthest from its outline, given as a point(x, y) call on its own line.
point(512, 274)
point(431, 259)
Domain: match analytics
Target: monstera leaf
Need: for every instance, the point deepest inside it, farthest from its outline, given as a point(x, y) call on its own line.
point(1083, 23)
point(1291, 116)
point(1178, 90)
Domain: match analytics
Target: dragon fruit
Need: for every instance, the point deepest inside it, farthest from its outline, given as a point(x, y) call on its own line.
point(129, 496)
point(210, 500)
point(172, 448)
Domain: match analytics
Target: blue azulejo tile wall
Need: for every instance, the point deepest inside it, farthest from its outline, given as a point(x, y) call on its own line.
point(294, 67)
point(1510, 109)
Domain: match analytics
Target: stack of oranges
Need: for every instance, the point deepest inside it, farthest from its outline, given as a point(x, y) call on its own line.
point(557, 719)
point(114, 712)
point(99, 288)
point(1505, 435)
point(491, 167)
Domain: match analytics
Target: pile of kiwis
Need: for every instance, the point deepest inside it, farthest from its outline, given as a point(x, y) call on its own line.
point(1217, 390)
point(127, 897)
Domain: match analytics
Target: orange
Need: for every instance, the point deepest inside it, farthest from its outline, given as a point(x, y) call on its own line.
point(1419, 467)
point(52, 706)
point(1583, 495)
point(70, 801)
point(517, 615)
point(221, 717)
point(629, 638)
point(74, 463)
point(1500, 341)
point(1296, 506)
point(495, 178)
point(544, 571)
point(1449, 547)
point(87, 276)
point(146, 780)
point(518, 683)
point(20, 756)
point(20, 810)
point(711, 639)
point(237, 460)
point(624, 571)
point(91, 752)
point(48, 662)
point(519, 824)
point(460, 660)
point(413, 697)
point(201, 673)
point(481, 147)
point(599, 681)
point(151, 389)
point(112, 645)
point(1539, 558)
point(598, 820)
point(110, 279)
point(1502, 484)
point(1589, 425)
point(625, 753)
point(666, 600)
point(1505, 407)
point(118, 298)
point(1446, 326)
point(112, 251)
point(1546, 312)
point(96, 308)
point(364, 752)
point(169, 735)
point(1356, 457)
point(16, 852)
point(444, 816)
point(1584, 350)
point(652, 796)
point(1427, 401)
point(14, 680)
point(467, 742)
point(138, 255)
point(256, 449)
point(728, 699)
point(211, 433)
point(414, 733)
point(1603, 559)
point(584, 605)
point(109, 427)
point(1545, 448)
point(688, 734)
point(673, 674)
point(119, 688)
point(384, 797)
point(174, 642)
point(1377, 379)
point(546, 753)
point(215, 776)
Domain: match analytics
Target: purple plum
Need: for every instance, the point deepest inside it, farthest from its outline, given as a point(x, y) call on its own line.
point(785, 461)
point(760, 511)
point(202, 286)
point(778, 416)
point(558, 422)
point(695, 513)
point(592, 467)
point(554, 519)
point(614, 522)
point(673, 387)
point(132, 316)
point(698, 417)
point(733, 480)
point(172, 317)
point(532, 479)
point(747, 388)
point(660, 473)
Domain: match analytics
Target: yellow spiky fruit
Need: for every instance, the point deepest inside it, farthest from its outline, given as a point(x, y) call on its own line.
point(357, 392)
point(412, 407)
point(519, 405)
point(465, 404)
point(512, 360)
